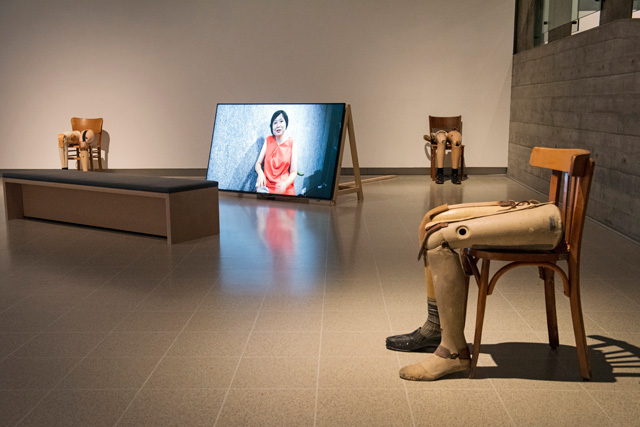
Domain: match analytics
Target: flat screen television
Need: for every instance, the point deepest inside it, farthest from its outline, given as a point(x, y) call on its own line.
point(284, 150)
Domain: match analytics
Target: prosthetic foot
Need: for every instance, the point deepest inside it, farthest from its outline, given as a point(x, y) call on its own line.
point(440, 176)
point(413, 342)
point(441, 363)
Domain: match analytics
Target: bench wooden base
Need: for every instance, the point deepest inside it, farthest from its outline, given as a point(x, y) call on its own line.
point(179, 216)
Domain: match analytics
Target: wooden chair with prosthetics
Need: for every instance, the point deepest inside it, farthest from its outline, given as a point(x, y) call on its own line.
point(572, 171)
point(446, 124)
point(95, 151)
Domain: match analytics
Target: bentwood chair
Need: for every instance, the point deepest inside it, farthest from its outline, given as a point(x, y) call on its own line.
point(446, 124)
point(572, 170)
point(95, 151)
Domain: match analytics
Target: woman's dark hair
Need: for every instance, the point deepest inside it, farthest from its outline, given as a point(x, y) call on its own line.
point(276, 114)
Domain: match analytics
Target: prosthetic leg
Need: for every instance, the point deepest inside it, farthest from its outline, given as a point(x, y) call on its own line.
point(440, 138)
point(494, 225)
point(455, 139)
point(83, 140)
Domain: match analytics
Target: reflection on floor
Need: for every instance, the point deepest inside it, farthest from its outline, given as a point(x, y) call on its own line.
point(281, 320)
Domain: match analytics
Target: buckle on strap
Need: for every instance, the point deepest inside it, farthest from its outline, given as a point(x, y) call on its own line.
point(446, 354)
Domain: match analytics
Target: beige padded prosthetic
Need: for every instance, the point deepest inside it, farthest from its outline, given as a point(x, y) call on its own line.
point(538, 227)
point(448, 279)
point(433, 367)
point(532, 225)
point(65, 140)
point(440, 138)
point(82, 139)
point(491, 225)
point(431, 292)
point(455, 139)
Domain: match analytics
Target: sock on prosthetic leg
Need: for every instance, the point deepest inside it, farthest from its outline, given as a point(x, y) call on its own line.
point(425, 338)
point(452, 355)
point(431, 326)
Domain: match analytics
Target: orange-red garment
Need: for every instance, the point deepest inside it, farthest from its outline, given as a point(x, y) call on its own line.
point(277, 160)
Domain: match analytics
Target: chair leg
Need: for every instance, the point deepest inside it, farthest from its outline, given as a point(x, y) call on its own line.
point(482, 304)
point(90, 158)
point(550, 302)
point(466, 296)
point(578, 322)
point(433, 163)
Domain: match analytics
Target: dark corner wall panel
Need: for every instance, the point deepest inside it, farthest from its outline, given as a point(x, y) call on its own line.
point(584, 92)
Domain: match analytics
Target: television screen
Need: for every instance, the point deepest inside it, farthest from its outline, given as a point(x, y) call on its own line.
point(277, 149)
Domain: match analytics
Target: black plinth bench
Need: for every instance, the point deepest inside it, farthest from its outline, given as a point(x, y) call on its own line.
point(180, 209)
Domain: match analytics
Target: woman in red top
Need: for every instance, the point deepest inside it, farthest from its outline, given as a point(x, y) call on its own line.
point(280, 157)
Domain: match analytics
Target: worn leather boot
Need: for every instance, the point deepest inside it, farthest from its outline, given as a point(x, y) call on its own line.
point(413, 342)
point(455, 178)
point(440, 176)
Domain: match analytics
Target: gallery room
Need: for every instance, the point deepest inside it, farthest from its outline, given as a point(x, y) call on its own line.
point(270, 224)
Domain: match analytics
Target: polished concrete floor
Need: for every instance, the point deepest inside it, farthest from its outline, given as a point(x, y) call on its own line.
point(281, 320)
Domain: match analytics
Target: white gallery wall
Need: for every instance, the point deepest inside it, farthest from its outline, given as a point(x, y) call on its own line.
point(155, 70)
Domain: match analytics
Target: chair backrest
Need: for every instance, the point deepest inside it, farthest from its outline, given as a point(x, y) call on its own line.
point(95, 125)
point(445, 123)
point(572, 171)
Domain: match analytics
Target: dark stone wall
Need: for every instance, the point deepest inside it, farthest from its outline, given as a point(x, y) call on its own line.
point(584, 92)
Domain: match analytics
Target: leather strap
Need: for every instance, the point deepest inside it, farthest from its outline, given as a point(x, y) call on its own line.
point(430, 230)
point(446, 354)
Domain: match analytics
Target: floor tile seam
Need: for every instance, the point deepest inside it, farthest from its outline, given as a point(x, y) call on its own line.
point(406, 393)
point(316, 402)
point(105, 281)
point(80, 360)
point(521, 317)
point(327, 388)
point(6, 310)
point(36, 335)
point(114, 331)
point(162, 358)
point(237, 367)
point(55, 386)
point(59, 317)
point(635, 310)
point(386, 311)
point(593, 319)
point(605, 412)
point(504, 406)
point(160, 282)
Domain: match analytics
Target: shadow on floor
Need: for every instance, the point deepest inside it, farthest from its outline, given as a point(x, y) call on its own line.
point(611, 360)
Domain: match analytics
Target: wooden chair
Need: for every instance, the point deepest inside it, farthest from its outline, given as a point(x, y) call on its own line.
point(572, 170)
point(95, 152)
point(446, 124)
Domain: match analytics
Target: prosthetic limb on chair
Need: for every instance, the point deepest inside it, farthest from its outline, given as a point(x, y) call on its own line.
point(455, 139)
point(486, 225)
point(79, 143)
point(442, 139)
